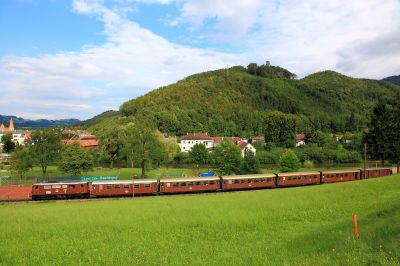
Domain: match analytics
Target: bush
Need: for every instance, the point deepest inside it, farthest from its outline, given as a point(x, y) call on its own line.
point(308, 164)
point(289, 162)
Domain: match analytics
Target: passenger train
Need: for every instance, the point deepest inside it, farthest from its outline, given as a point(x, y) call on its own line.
point(141, 187)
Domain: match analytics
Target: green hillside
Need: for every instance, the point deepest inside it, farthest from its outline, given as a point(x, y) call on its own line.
point(295, 226)
point(234, 102)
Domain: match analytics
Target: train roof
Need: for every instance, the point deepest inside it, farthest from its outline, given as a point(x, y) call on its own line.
point(247, 176)
point(190, 179)
point(104, 182)
point(340, 171)
point(381, 168)
point(60, 183)
point(298, 173)
point(145, 180)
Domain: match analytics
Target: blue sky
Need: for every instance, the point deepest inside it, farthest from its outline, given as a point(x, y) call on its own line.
point(64, 59)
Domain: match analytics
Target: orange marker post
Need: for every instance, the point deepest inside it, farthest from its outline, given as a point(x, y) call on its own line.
point(356, 234)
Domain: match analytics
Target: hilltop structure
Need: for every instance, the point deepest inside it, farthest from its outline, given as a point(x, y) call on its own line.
point(18, 136)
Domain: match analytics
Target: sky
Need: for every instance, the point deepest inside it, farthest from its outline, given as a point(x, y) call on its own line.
point(76, 59)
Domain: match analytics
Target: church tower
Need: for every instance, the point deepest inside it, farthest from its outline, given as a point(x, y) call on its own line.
point(11, 127)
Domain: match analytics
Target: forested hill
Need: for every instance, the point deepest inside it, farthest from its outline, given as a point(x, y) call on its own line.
point(393, 79)
point(235, 101)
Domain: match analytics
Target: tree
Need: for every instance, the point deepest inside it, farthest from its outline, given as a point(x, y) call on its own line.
point(8, 143)
point(280, 129)
point(252, 68)
point(46, 146)
point(21, 160)
point(142, 142)
point(289, 162)
point(199, 154)
point(378, 136)
point(394, 133)
point(226, 158)
point(170, 147)
point(75, 160)
point(250, 163)
point(110, 145)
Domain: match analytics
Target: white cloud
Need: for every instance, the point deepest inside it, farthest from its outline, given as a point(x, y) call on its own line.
point(84, 83)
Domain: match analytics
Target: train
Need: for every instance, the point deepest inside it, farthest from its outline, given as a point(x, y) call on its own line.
point(142, 187)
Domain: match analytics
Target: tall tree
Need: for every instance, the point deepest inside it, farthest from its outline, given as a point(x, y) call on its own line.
point(8, 143)
point(142, 143)
point(394, 136)
point(75, 160)
point(21, 160)
point(378, 136)
point(280, 129)
point(46, 146)
point(110, 145)
point(226, 158)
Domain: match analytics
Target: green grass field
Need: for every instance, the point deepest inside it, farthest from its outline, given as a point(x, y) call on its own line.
point(297, 226)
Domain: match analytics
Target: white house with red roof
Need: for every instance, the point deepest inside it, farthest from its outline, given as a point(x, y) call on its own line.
point(191, 139)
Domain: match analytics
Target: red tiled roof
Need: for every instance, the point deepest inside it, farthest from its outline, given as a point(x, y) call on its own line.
point(300, 137)
point(196, 136)
point(241, 145)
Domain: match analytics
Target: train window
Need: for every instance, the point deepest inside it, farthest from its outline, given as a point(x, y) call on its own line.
point(136, 186)
point(71, 186)
point(190, 183)
point(269, 179)
point(198, 183)
point(205, 183)
point(64, 186)
point(248, 180)
point(56, 186)
point(289, 178)
point(242, 180)
point(229, 182)
point(36, 187)
point(183, 184)
point(126, 186)
point(81, 185)
point(108, 186)
point(176, 184)
point(212, 182)
point(47, 187)
point(117, 186)
point(147, 185)
point(256, 180)
point(337, 175)
point(94, 187)
point(168, 184)
point(237, 181)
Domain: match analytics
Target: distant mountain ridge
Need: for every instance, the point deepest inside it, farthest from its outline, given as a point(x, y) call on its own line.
point(393, 79)
point(27, 123)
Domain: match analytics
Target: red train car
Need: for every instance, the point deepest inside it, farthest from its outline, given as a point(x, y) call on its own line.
point(298, 179)
point(248, 181)
point(60, 190)
point(145, 186)
point(185, 185)
point(375, 172)
point(111, 188)
point(339, 176)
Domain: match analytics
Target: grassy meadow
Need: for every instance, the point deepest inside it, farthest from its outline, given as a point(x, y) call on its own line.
point(295, 226)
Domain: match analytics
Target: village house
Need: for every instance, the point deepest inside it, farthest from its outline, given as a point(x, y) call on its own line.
point(300, 140)
point(191, 139)
point(85, 140)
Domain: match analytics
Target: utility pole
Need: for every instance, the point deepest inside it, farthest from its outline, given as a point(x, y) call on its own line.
point(365, 159)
